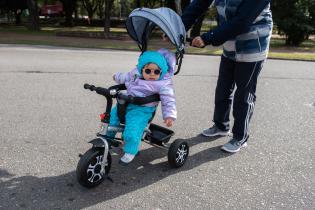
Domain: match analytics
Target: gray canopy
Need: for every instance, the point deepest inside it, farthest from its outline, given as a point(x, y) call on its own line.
point(142, 21)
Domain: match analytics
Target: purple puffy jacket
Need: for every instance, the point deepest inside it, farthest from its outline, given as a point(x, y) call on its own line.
point(136, 86)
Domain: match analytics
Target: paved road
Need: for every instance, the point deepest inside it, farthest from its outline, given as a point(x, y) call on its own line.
point(46, 118)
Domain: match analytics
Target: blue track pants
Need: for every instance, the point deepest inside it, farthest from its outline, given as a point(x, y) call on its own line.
point(137, 118)
point(244, 76)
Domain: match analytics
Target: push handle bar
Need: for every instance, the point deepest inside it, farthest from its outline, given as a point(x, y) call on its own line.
point(188, 39)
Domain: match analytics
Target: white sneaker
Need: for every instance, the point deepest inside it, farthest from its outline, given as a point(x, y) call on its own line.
point(126, 159)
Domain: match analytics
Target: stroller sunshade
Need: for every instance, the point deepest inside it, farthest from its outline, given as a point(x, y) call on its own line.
point(142, 21)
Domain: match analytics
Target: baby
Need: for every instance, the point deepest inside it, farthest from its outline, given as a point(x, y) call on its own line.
point(152, 76)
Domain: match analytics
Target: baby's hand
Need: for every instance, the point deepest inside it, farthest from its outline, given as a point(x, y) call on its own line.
point(169, 122)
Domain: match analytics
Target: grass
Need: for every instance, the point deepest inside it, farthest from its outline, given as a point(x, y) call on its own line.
point(24, 30)
point(104, 45)
point(278, 43)
point(51, 30)
point(292, 56)
point(21, 35)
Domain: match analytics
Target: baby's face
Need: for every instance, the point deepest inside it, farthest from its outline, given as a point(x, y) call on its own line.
point(151, 72)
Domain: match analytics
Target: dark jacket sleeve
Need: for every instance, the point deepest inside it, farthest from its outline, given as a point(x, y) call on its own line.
point(247, 12)
point(194, 10)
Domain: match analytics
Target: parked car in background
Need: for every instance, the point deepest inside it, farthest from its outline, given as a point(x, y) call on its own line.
point(54, 10)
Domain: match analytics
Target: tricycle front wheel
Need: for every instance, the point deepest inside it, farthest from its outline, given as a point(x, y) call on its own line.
point(178, 153)
point(89, 167)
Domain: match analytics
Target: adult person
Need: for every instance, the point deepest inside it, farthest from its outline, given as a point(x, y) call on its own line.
point(244, 29)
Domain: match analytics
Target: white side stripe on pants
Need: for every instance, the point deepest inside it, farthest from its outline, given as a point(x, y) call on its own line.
point(250, 101)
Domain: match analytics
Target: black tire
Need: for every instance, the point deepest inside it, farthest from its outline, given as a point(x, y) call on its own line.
point(178, 153)
point(89, 167)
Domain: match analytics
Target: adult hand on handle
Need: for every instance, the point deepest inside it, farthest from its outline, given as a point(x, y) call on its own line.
point(198, 42)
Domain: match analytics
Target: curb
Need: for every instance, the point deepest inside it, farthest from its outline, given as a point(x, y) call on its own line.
point(129, 50)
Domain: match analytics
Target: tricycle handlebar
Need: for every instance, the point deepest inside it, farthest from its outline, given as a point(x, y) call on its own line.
point(111, 93)
point(99, 90)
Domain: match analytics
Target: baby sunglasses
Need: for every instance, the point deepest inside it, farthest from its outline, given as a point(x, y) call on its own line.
point(155, 71)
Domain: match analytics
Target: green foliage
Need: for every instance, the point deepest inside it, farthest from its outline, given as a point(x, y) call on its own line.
point(295, 19)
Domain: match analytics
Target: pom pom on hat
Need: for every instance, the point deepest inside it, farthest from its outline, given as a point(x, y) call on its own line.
point(153, 57)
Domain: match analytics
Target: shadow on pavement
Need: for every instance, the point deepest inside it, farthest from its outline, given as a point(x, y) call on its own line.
point(4, 174)
point(63, 191)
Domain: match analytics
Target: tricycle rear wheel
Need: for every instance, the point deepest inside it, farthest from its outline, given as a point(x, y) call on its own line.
point(178, 153)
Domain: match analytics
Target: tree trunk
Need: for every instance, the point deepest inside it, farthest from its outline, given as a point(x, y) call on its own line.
point(17, 14)
point(69, 6)
point(90, 7)
point(90, 14)
point(108, 8)
point(76, 15)
point(100, 9)
point(123, 6)
point(33, 17)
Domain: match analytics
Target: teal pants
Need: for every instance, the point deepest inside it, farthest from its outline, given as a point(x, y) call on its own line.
point(137, 118)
